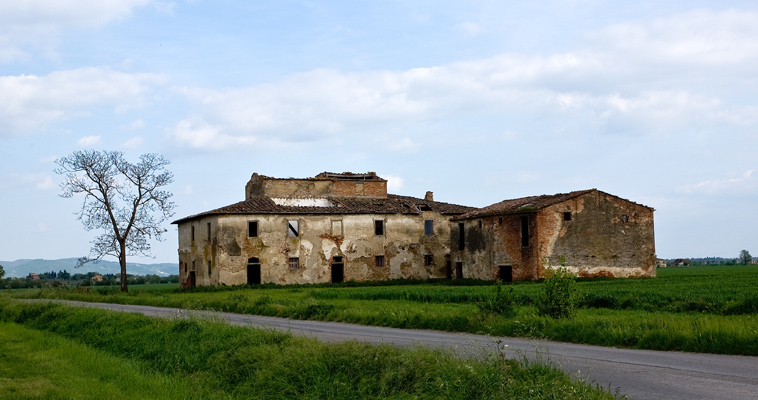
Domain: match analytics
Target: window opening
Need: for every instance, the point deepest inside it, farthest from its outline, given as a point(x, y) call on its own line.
point(378, 227)
point(252, 229)
point(294, 262)
point(193, 232)
point(428, 259)
point(461, 238)
point(480, 224)
point(500, 220)
point(524, 231)
point(625, 218)
point(337, 227)
point(209, 268)
point(379, 261)
point(567, 216)
point(293, 228)
point(253, 271)
point(429, 227)
point(209, 231)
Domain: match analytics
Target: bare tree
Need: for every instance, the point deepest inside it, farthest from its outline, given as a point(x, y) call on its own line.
point(745, 257)
point(127, 201)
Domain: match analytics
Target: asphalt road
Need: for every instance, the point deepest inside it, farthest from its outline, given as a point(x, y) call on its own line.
point(640, 374)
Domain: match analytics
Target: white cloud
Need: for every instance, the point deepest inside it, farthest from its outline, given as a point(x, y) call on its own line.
point(718, 186)
point(39, 22)
point(394, 183)
point(607, 86)
point(469, 28)
point(32, 102)
point(89, 141)
point(132, 143)
point(137, 124)
point(38, 181)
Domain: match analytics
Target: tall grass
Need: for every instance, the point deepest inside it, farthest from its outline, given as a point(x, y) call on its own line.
point(38, 365)
point(714, 305)
point(249, 363)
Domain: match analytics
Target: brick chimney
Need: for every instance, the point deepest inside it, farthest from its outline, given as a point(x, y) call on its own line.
point(429, 196)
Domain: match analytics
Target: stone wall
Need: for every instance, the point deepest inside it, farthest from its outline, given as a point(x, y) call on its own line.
point(321, 238)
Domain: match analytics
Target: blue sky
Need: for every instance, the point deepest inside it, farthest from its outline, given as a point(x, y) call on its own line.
point(477, 101)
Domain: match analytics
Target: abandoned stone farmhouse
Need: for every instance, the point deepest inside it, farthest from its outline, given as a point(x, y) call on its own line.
point(338, 227)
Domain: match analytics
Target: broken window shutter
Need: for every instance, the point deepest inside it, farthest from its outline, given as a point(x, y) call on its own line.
point(293, 229)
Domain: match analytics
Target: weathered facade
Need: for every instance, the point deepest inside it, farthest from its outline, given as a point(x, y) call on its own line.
point(337, 227)
point(329, 228)
point(592, 232)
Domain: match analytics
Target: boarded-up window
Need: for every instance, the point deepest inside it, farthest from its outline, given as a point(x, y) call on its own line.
point(252, 228)
point(429, 227)
point(294, 262)
point(379, 261)
point(379, 227)
point(293, 228)
point(336, 227)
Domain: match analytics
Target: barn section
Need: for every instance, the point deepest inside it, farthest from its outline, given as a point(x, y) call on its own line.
point(328, 228)
point(598, 234)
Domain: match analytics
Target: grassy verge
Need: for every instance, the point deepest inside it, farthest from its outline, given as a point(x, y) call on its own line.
point(37, 365)
point(238, 362)
point(702, 309)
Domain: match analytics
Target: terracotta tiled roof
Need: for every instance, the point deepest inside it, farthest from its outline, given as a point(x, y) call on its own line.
point(528, 204)
point(392, 204)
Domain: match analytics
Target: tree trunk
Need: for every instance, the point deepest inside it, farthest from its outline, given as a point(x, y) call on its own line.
point(122, 261)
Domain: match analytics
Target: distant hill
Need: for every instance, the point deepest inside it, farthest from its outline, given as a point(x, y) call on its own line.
point(22, 268)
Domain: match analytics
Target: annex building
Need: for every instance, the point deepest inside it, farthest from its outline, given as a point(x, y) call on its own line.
point(337, 227)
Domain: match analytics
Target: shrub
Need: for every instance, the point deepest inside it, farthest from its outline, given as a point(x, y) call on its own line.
point(559, 296)
point(502, 302)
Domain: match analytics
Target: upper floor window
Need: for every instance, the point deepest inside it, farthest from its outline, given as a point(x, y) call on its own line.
point(429, 227)
point(293, 228)
point(192, 229)
point(378, 227)
point(252, 228)
point(567, 216)
point(525, 231)
point(209, 231)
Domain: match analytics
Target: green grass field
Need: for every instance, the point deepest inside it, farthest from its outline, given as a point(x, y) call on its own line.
point(52, 351)
point(698, 309)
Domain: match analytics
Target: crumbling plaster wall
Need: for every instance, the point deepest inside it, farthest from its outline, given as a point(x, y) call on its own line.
point(495, 242)
point(195, 254)
point(606, 236)
point(403, 245)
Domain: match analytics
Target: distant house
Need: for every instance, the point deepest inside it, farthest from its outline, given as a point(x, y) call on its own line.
point(660, 263)
point(592, 232)
point(336, 227)
point(33, 276)
point(97, 278)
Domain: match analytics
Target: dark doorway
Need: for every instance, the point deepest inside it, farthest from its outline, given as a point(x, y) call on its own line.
point(192, 280)
point(338, 269)
point(449, 269)
point(506, 273)
point(253, 271)
point(458, 270)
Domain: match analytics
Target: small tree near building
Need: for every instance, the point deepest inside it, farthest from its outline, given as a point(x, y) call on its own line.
point(2, 272)
point(126, 201)
point(745, 257)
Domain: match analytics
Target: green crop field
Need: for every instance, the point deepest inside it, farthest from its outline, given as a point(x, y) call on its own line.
point(699, 309)
point(52, 351)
